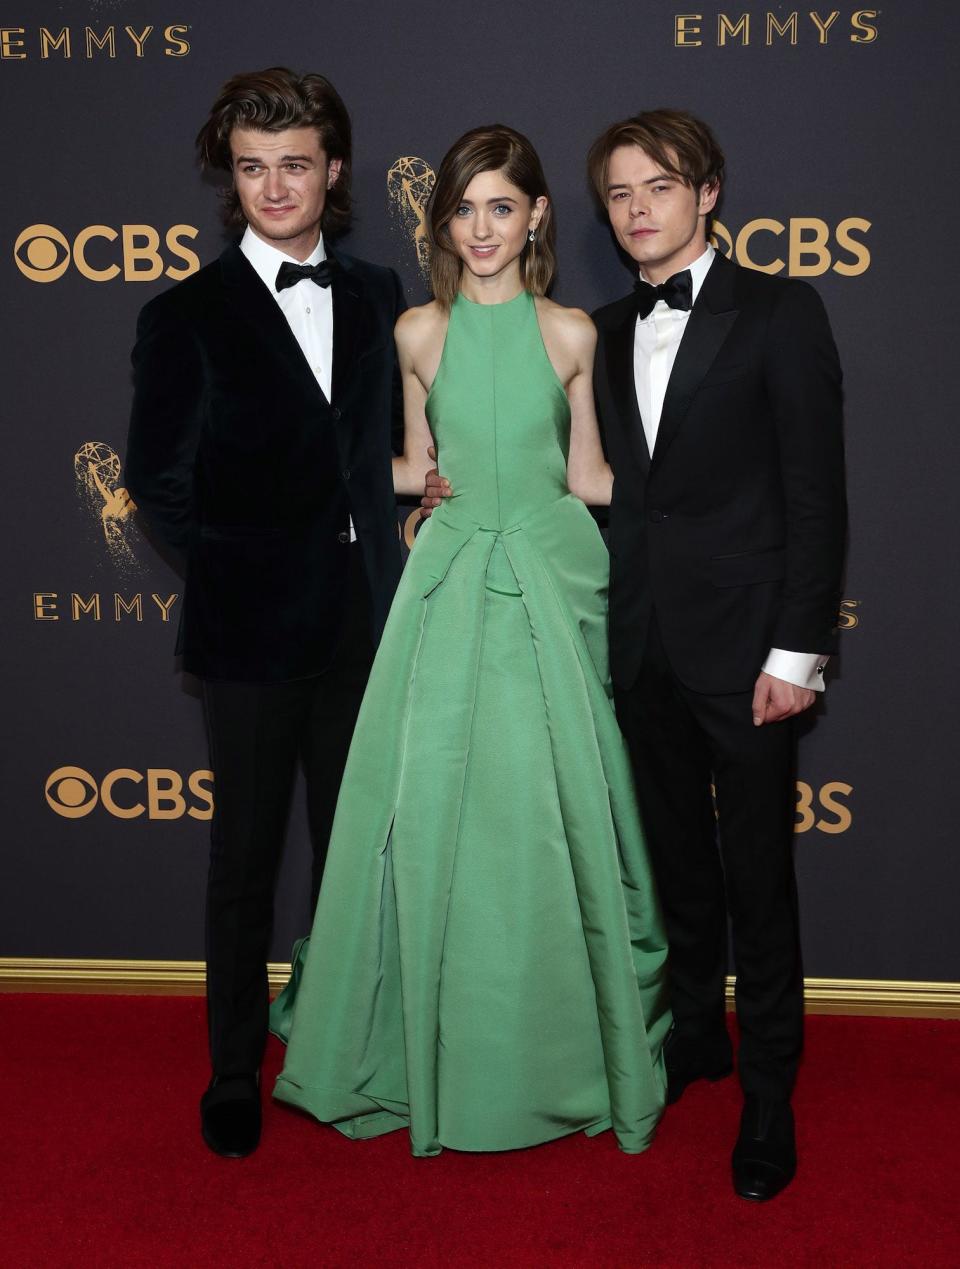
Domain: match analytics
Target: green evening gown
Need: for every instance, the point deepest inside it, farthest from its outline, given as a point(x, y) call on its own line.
point(486, 966)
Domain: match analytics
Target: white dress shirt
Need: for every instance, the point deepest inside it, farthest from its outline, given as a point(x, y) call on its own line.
point(655, 345)
point(307, 307)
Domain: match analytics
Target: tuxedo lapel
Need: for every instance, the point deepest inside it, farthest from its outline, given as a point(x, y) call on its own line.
point(258, 309)
point(347, 313)
point(619, 353)
point(709, 323)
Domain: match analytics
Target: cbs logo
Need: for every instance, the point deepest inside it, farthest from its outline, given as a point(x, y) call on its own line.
point(824, 808)
point(848, 618)
point(43, 253)
point(805, 246)
point(157, 793)
point(407, 532)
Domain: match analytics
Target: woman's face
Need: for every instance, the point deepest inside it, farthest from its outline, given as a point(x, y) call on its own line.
point(490, 226)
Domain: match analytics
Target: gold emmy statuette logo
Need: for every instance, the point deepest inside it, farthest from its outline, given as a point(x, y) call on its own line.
point(158, 793)
point(97, 469)
point(409, 183)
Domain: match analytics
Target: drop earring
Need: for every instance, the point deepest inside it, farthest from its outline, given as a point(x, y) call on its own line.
point(531, 235)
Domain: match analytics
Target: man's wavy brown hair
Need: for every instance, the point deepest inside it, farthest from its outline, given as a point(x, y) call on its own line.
point(273, 100)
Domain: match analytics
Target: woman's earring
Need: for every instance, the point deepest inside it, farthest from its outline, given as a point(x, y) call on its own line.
point(531, 235)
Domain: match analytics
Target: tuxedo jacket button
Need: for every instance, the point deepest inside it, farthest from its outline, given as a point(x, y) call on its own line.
point(336, 412)
point(346, 473)
point(343, 536)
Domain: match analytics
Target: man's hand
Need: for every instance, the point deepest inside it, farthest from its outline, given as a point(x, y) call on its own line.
point(435, 488)
point(774, 699)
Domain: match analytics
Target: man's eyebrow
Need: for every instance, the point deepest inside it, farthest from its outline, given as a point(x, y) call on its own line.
point(285, 158)
point(652, 180)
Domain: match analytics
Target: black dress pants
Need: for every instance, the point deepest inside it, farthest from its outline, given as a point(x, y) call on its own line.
point(258, 734)
point(734, 857)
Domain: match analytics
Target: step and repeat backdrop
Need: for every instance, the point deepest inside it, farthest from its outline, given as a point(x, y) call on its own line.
point(837, 124)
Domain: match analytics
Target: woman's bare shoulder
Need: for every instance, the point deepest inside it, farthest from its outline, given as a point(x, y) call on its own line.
point(571, 325)
point(421, 322)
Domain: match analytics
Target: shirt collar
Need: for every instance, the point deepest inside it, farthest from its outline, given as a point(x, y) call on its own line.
point(698, 271)
point(267, 260)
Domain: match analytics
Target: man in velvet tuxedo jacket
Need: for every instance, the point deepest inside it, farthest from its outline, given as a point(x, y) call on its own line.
point(260, 454)
point(718, 391)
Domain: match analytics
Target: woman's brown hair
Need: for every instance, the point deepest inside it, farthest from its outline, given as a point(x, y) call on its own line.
point(272, 101)
point(493, 148)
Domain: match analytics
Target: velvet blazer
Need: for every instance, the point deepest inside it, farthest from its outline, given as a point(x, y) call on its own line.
point(248, 474)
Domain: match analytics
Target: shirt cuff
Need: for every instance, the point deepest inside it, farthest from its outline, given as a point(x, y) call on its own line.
point(802, 669)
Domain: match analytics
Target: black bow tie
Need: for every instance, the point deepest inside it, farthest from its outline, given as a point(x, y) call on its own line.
point(290, 274)
point(677, 292)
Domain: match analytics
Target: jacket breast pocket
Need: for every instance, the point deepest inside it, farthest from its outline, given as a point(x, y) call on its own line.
point(748, 568)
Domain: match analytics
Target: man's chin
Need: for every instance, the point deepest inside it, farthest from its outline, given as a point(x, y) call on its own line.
point(634, 250)
point(278, 231)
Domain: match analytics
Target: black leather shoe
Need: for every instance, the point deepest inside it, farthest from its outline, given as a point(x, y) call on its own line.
point(230, 1115)
point(765, 1156)
point(687, 1062)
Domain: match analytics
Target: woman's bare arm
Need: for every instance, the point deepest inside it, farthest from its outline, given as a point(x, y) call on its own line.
point(415, 334)
point(571, 341)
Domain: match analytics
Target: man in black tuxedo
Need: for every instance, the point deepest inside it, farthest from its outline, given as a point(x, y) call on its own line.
point(265, 409)
point(719, 398)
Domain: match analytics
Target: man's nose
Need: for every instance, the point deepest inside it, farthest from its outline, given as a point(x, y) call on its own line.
point(638, 205)
point(275, 185)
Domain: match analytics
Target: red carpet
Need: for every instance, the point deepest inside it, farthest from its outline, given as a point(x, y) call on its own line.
point(102, 1164)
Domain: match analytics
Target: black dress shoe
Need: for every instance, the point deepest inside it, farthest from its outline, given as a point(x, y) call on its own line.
point(230, 1115)
point(765, 1156)
point(687, 1062)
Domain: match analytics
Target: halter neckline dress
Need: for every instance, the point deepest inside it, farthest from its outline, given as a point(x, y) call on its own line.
point(486, 966)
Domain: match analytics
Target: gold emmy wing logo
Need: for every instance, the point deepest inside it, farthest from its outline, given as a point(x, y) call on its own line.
point(96, 466)
point(409, 183)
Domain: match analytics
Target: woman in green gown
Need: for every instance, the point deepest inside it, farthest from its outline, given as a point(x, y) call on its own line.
point(486, 966)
